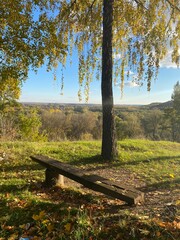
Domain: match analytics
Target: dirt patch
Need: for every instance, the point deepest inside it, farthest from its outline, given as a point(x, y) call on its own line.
point(159, 201)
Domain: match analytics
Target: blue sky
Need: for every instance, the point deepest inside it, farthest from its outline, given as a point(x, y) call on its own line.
point(42, 87)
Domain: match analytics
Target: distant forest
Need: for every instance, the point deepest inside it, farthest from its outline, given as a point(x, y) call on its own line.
point(59, 122)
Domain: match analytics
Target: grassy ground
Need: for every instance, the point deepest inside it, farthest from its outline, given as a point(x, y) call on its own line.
point(27, 209)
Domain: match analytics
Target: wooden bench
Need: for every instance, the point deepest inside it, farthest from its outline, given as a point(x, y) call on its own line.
point(55, 170)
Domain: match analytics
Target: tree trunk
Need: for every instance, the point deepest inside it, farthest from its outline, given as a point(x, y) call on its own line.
point(109, 150)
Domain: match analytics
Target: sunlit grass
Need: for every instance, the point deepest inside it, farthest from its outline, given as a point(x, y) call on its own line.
point(156, 163)
point(153, 161)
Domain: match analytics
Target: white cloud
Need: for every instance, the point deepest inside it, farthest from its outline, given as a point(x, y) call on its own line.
point(131, 84)
point(130, 73)
point(117, 56)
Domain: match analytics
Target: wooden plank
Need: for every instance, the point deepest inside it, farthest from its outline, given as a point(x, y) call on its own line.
point(94, 182)
point(114, 189)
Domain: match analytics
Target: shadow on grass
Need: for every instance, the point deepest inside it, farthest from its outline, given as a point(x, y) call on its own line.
point(22, 167)
point(94, 163)
point(17, 214)
point(170, 184)
point(146, 161)
point(54, 200)
point(13, 188)
point(97, 159)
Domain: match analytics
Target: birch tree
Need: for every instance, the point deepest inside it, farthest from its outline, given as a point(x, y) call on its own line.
point(113, 38)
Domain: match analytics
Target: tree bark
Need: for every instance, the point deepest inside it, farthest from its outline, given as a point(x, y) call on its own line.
point(109, 149)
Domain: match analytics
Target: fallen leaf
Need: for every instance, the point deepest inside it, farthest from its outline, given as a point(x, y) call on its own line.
point(162, 224)
point(42, 214)
point(176, 224)
point(23, 226)
point(50, 227)
point(39, 217)
point(35, 217)
point(68, 227)
point(13, 236)
point(7, 227)
point(36, 238)
point(144, 231)
point(45, 222)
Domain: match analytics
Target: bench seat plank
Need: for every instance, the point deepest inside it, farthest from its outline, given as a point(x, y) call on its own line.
point(95, 182)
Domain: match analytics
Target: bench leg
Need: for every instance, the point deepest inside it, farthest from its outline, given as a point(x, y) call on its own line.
point(60, 180)
point(53, 178)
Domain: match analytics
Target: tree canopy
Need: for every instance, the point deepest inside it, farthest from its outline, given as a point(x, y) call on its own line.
point(28, 38)
point(36, 32)
point(143, 33)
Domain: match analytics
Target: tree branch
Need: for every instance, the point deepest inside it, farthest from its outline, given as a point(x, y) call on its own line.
point(173, 6)
point(170, 18)
point(141, 4)
point(168, 1)
point(92, 4)
point(90, 7)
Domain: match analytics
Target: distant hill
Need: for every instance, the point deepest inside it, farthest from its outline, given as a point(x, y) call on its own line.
point(160, 105)
point(98, 107)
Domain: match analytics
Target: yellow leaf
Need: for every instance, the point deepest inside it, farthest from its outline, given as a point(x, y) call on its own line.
point(50, 227)
point(171, 175)
point(45, 221)
point(68, 227)
point(13, 236)
point(35, 217)
point(42, 214)
point(22, 226)
point(39, 217)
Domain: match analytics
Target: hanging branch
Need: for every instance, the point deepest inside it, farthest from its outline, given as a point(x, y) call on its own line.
point(141, 4)
point(173, 6)
point(172, 13)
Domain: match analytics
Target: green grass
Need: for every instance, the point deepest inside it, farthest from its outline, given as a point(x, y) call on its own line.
point(72, 214)
point(153, 161)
